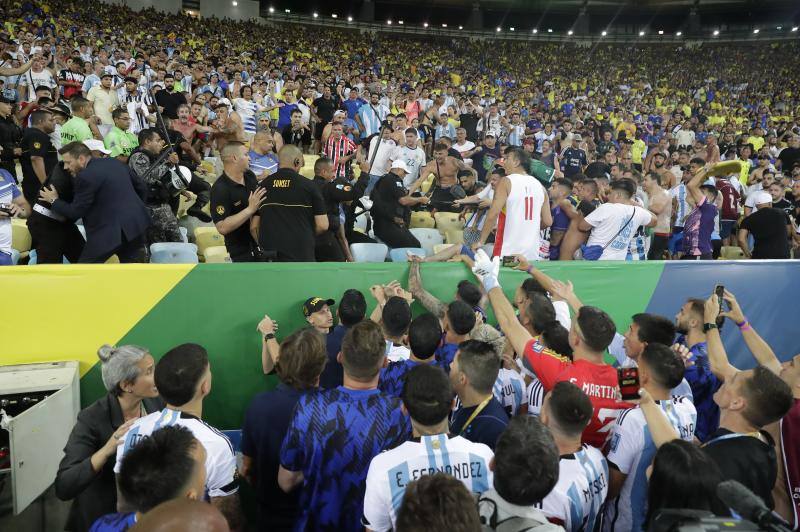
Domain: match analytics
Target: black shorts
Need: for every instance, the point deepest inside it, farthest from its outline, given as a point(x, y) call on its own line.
point(318, 129)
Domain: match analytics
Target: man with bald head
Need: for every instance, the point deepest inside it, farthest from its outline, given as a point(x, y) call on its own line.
point(182, 515)
point(292, 213)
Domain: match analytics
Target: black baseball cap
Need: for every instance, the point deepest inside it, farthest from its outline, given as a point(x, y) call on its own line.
point(315, 304)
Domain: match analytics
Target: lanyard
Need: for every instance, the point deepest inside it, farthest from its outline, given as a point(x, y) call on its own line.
point(756, 435)
point(475, 414)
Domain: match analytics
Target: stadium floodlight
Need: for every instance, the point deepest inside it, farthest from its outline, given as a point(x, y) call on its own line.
point(389, 22)
point(400, 22)
point(679, 33)
point(444, 25)
point(756, 30)
point(641, 33)
point(716, 32)
point(271, 9)
point(604, 33)
point(424, 24)
point(511, 28)
point(549, 30)
point(334, 16)
point(349, 19)
point(535, 30)
point(794, 28)
point(779, 28)
point(461, 27)
point(288, 10)
point(316, 14)
point(235, 3)
point(569, 32)
point(498, 28)
point(661, 32)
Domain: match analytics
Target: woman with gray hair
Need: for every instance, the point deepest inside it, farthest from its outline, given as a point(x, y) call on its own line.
point(86, 475)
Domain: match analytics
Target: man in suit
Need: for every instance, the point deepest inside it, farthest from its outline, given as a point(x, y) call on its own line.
point(109, 197)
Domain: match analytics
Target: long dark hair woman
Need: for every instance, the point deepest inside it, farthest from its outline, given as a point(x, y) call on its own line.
point(683, 478)
point(86, 473)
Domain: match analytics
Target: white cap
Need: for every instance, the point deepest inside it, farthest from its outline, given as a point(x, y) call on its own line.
point(401, 165)
point(224, 101)
point(762, 197)
point(339, 113)
point(96, 145)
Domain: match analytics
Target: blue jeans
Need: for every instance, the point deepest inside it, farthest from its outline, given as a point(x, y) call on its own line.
point(5, 259)
point(373, 180)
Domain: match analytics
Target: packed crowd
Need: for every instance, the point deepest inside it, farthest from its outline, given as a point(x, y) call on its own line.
point(621, 140)
point(383, 421)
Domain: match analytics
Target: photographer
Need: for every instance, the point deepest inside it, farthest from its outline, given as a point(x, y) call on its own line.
point(159, 185)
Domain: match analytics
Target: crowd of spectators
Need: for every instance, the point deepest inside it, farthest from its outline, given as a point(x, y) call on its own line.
point(383, 421)
point(610, 124)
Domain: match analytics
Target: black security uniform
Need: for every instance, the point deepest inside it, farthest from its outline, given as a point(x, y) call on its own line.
point(229, 198)
point(198, 186)
point(10, 136)
point(165, 225)
point(390, 217)
point(287, 216)
point(170, 101)
point(334, 193)
point(35, 143)
point(53, 235)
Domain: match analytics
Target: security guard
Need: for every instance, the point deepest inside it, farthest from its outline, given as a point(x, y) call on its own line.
point(190, 159)
point(293, 211)
point(10, 135)
point(39, 156)
point(165, 225)
point(391, 208)
point(331, 245)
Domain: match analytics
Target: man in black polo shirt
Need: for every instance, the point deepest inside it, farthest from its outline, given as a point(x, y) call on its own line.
point(293, 211)
point(332, 244)
point(169, 100)
point(39, 156)
point(235, 198)
point(391, 208)
point(323, 107)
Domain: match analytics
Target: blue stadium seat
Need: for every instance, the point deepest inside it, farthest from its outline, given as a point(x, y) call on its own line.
point(173, 253)
point(369, 252)
point(184, 234)
point(401, 254)
point(14, 257)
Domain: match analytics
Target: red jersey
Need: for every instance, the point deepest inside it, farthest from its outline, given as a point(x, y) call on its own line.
point(598, 381)
point(730, 200)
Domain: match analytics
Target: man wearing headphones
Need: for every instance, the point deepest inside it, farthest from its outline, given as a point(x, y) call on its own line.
point(292, 213)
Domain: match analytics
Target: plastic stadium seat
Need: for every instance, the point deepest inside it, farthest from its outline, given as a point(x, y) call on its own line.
point(731, 253)
point(369, 252)
point(184, 234)
point(440, 247)
point(207, 237)
point(422, 219)
point(427, 238)
point(217, 254)
point(426, 185)
point(20, 237)
point(401, 254)
point(454, 236)
point(448, 221)
point(14, 257)
point(113, 259)
point(173, 253)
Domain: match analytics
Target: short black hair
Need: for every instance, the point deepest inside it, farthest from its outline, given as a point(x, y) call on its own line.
point(711, 189)
point(396, 316)
point(352, 307)
point(469, 293)
point(525, 462)
point(664, 364)
point(118, 112)
point(39, 116)
point(768, 397)
point(570, 408)
point(654, 328)
point(461, 317)
point(596, 328)
point(147, 134)
point(531, 286)
point(437, 502)
point(522, 156)
point(424, 335)
point(624, 185)
point(75, 149)
point(697, 160)
point(427, 394)
point(542, 315)
point(157, 468)
point(363, 350)
point(480, 363)
point(294, 111)
point(564, 182)
point(179, 371)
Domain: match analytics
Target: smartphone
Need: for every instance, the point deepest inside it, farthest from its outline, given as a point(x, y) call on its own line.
point(6, 208)
point(719, 290)
point(510, 261)
point(628, 383)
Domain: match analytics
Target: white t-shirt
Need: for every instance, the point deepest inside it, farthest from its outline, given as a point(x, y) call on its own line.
point(391, 471)
point(535, 397)
point(681, 196)
point(631, 451)
point(221, 474)
point(414, 159)
point(582, 487)
point(461, 148)
point(396, 352)
point(33, 79)
point(608, 220)
point(519, 231)
point(381, 164)
point(541, 136)
point(509, 390)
